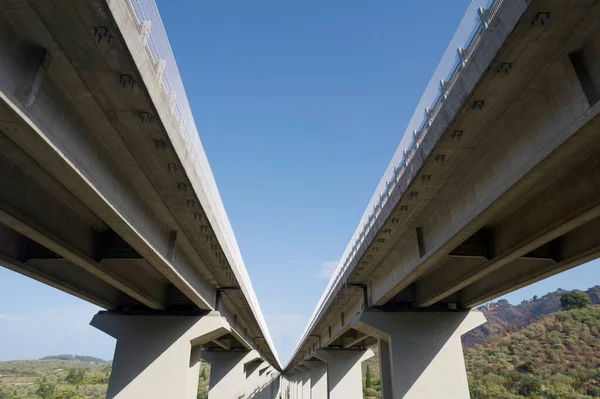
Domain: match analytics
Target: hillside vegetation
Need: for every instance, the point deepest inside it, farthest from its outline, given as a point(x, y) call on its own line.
point(53, 377)
point(531, 350)
point(556, 357)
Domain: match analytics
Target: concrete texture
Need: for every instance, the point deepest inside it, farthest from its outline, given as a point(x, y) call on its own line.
point(318, 379)
point(494, 198)
point(305, 382)
point(423, 350)
point(344, 376)
point(228, 372)
point(112, 204)
point(157, 356)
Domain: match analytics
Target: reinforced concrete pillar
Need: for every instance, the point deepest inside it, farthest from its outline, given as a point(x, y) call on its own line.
point(344, 375)
point(228, 373)
point(318, 378)
point(304, 382)
point(252, 371)
point(422, 355)
point(157, 356)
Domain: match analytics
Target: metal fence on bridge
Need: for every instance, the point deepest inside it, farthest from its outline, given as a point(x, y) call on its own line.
point(150, 26)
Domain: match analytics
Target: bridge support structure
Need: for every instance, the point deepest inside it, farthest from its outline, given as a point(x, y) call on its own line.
point(318, 378)
point(157, 356)
point(421, 352)
point(344, 377)
point(228, 369)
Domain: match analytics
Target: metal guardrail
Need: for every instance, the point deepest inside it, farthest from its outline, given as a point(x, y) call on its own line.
point(150, 27)
point(464, 41)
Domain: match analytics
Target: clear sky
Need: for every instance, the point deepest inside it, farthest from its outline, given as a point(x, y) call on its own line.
point(300, 106)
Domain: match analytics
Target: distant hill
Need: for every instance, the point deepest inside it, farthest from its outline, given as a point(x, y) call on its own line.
point(87, 359)
point(503, 318)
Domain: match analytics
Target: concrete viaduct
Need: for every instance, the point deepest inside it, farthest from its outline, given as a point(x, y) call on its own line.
point(499, 189)
point(106, 193)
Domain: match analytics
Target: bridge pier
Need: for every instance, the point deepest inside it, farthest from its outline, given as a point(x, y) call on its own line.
point(318, 379)
point(157, 356)
point(344, 377)
point(228, 369)
point(421, 352)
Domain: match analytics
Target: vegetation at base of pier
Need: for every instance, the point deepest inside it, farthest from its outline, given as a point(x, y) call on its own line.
point(66, 377)
point(52, 378)
point(546, 347)
point(556, 357)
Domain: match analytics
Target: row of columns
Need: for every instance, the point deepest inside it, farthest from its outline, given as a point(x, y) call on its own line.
point(159, 357)
point(420, 357)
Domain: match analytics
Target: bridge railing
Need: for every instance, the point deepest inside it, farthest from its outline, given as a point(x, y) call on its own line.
point(150, 27)
point(466, 37)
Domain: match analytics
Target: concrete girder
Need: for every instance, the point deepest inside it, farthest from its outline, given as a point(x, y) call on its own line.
point(68, 252)
point(532, 232)
point(512, 164)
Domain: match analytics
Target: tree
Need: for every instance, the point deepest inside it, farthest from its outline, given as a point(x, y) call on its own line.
point(46, 389)
point(368, 378)
point(75, 377)
point(69, 393)
point(574, 300)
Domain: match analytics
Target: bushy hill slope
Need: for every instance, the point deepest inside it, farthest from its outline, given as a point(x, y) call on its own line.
point(503, 318)
point(87, 359)
point(556, 357)
point(531, 350)
point(51, 378)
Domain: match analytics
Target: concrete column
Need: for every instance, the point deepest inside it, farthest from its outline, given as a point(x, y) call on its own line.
point(228, 373)
point(304, 382)
point(194, 373)
point(318, 378)
point(423, 350)
point(157, 356)
point(344, 376)
point(263, 381)
point(253, 381)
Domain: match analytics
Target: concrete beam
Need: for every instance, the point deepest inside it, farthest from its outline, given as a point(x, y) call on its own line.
point(577, 247)
point(351, 341)
point(54, 243)
point(532, 231)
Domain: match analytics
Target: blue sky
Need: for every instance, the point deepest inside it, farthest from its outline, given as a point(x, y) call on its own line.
point(300, 106)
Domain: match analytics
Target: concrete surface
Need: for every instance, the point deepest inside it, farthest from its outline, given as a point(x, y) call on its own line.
point(156, 356)
point(318, 378)
point(425, 351)
point(344, 375)
point(228, 372)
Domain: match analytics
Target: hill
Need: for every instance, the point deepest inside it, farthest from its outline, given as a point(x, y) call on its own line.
point(503, 318)
point(556, 357)
point(65, 377)
point(87, 359)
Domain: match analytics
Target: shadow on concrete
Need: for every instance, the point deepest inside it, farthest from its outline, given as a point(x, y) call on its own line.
point(270, 390)
point(416, 342)
point(133, 340)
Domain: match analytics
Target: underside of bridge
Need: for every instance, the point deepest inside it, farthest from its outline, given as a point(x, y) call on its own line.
point(100, 194)
point(501, 190)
